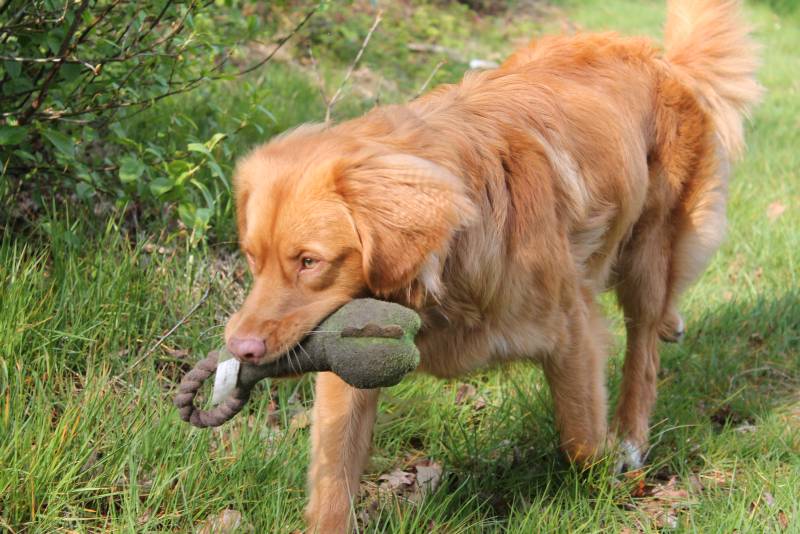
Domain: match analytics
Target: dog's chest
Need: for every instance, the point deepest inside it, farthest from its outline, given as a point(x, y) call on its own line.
point(451, 346)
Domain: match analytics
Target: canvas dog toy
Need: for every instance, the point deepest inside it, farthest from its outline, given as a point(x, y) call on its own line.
point(368, 343)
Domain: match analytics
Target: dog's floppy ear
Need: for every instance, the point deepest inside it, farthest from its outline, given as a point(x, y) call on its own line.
point(405, 209)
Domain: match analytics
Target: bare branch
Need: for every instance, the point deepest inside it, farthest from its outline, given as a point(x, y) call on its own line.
point(62, 52)
point(95, 66)
point(280, 43)
point(428, 79)
point(320, 80)
point(338, 93)
point(171, 330)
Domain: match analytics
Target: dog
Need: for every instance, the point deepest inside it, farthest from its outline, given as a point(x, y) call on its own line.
point(499, 208)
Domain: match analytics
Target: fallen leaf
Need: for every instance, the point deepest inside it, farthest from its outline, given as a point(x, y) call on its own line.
point(639, 487)
point(396, 480)
point(695, 483)
point(273, 413)
point(428, 476)
point(661, 503)
point(464, 393)
point(412, 483)
point(670, 491)
point(176, 353)
point(783, 521)
point(300, 420)
point(227, 522)
point(775, 210)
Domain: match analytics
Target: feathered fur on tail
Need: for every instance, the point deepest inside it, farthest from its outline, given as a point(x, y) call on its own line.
point(708, 43)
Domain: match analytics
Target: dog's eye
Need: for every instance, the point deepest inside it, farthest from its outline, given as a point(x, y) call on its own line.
point(308, 263)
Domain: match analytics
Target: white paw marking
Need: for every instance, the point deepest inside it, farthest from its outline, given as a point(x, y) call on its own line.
point(680, 331)
point(630, 457)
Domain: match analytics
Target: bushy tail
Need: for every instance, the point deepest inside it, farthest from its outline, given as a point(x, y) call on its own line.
point(707, 41)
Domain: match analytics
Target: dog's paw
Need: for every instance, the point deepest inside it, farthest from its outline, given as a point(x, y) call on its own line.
point(630, 457)
point(672, 329)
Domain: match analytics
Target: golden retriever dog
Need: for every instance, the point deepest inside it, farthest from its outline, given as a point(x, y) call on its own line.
point(499, 208)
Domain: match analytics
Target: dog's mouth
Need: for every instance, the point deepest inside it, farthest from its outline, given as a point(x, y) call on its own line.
point(287, 337)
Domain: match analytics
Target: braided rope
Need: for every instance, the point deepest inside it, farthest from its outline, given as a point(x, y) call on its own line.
point(190, 385)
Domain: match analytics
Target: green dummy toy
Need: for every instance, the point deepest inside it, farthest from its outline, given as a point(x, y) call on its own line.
point(368, 343)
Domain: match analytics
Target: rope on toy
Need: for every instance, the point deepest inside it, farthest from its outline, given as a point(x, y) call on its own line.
point(191, 384)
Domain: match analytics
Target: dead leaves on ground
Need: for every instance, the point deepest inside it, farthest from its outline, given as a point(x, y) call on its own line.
point(765, 504)
point(418, 478)
point(227, 521)
point(413, 482)
point(663, 501)
point(659, 502)
point(467, 395)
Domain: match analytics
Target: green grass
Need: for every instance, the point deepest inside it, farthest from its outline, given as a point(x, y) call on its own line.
point(89, 440)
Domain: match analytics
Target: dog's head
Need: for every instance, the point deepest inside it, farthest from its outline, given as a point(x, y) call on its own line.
point(324, 218)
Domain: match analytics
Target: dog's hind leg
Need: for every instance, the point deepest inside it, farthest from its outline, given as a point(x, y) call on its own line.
point(642, 289)
point(699, 223)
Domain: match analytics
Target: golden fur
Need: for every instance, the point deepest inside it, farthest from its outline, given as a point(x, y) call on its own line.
point(499, 208)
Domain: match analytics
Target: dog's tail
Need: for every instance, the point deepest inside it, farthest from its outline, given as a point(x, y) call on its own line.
point(708, 43)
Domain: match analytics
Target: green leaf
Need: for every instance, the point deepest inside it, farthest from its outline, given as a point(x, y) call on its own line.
point(63, 144)
point(202, 217)
point(197, 147)
point(160, 186)
point(84, 190)
point(12, 135)
point(54, 41)
point(118, 130)
point(24, 154)
point(186, 213)
point(215, 139)
point(13, 68)
point(216, 170)
point(70, 71)
point(131, 169)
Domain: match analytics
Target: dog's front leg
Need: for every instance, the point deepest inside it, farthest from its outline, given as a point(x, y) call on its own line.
point(577, 384)
point(341, 435)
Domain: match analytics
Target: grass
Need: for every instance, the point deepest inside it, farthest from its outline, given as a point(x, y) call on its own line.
point(90, 442)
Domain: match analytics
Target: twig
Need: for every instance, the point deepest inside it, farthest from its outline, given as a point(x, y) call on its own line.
point(350, 70)
point(171, 330)
point(64, 49)
point(280, 43)
point(320, 80)
point(428, 80)
point(95, 64)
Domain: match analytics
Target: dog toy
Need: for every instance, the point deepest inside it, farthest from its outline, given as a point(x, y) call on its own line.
point(368, 343)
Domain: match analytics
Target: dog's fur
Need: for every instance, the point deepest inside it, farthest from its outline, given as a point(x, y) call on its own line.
point(499, 208)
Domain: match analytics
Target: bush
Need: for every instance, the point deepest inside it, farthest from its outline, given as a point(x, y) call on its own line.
point(74, 74)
